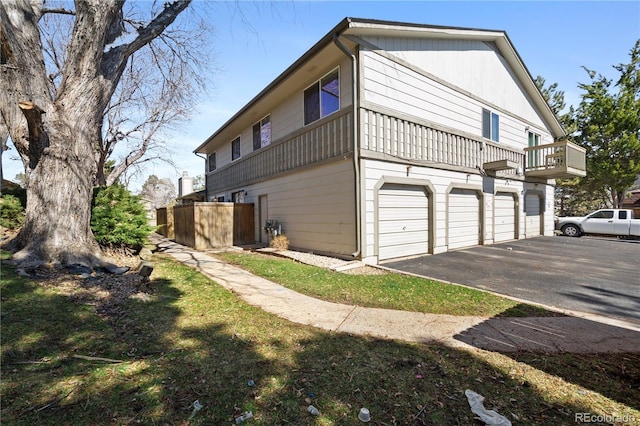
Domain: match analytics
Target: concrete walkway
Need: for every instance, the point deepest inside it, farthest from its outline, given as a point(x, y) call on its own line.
point(552, 334)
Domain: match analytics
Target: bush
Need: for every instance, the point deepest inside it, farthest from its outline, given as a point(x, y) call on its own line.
point(11, 212)
point(118, 218)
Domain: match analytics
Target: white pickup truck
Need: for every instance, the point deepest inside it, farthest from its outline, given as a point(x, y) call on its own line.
point(606, 221)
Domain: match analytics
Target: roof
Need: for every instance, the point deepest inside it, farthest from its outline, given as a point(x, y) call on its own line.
point(632, 198)
point(358, 26)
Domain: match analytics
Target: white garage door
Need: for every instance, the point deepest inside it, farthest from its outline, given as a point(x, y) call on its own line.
point(464, 218)
point(533, 212)
point(403, 221)
point(504, 211)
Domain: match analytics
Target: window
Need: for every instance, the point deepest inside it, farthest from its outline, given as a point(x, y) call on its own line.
point(622, 214)
point(235, 149)
point(602, 214)
point(262, 133)
point(534, 140)
point(211, 162)
point(322, 98)
point(490, 125)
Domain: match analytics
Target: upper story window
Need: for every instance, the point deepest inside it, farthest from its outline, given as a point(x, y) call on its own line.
point(211, 162)
point(235, 149)
point(490, 125)
point(322, 98)
point(262, 133)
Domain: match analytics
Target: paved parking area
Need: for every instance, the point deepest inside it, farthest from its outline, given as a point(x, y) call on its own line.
point(589, 274)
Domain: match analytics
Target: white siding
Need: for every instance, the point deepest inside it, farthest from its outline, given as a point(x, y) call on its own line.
point(315, 207)
point(399, 87)
point(504, 217)
point(403, 221)
point(463, 219)
point(471, 65)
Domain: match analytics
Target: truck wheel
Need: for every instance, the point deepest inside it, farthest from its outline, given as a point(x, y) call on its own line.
point(571, 230)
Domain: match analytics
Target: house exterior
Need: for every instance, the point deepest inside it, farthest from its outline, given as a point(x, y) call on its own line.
point(389, 139)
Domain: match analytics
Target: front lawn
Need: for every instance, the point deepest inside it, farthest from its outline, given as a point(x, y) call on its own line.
point(96, 351)
point(389, 290)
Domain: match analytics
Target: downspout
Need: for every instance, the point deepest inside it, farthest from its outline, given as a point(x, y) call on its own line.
point(206, 194)
point(355, 136)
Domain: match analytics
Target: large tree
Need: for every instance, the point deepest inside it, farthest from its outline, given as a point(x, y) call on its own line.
point(55, 128)
point(608, 126)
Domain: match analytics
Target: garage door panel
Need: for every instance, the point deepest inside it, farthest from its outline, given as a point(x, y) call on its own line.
point(504, 217)
point(403, 221)
point(408, 237)
point(403, 250)
point(408, 226)
point(463, 218)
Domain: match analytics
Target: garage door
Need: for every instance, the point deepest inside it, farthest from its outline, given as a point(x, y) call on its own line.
point(403, 221)
point(533, 220)
point(464, 218)
point(504, 219)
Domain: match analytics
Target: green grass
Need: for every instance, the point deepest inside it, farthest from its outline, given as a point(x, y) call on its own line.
point(194, 340)
point(390, 290)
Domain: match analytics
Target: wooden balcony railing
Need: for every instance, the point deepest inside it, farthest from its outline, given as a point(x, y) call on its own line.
point(560, 160)
point(328, 139)
point(412, 141)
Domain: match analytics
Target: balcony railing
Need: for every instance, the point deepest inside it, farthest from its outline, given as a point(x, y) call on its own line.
point(412, 141)
point(560, 160)
point(328, 139)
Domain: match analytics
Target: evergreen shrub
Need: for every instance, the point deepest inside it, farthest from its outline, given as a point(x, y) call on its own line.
point(11, 212)
point(118, 218)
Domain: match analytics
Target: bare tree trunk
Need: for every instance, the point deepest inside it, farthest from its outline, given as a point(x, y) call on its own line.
point(58, 212)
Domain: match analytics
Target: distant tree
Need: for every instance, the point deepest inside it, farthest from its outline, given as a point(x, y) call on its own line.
point(608, 126)
point(555, 99)
point(198, 183)
point(21, 180)
point(158, 192)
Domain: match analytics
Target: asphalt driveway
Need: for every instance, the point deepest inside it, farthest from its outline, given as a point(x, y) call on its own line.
point(589, 274)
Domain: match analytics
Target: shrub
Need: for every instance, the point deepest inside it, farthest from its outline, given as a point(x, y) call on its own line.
point(279, 242)
point(11, 212)
point(118, 218)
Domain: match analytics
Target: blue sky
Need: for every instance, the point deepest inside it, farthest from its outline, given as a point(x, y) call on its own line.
point(255, 41)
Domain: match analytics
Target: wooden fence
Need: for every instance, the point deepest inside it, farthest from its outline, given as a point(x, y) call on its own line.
point(214, 225)
point(164, 222)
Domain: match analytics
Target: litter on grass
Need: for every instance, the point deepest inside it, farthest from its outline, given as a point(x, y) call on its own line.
point(489, 417)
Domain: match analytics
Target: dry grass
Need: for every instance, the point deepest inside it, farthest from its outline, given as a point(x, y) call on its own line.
point(192, 340)
point(279, 242)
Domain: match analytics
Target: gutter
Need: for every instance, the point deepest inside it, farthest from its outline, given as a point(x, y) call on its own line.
point(356, 140)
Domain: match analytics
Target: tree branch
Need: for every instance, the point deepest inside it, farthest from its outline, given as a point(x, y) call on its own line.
point(157, 25)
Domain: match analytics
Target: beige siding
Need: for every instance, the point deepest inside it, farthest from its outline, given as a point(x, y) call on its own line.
point(315, 207)
point(402, 88)
point(287, 114)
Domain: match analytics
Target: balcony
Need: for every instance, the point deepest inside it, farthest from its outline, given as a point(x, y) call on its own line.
point(560, 160)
